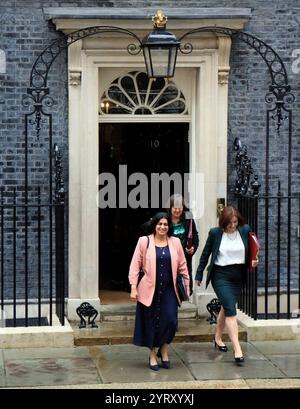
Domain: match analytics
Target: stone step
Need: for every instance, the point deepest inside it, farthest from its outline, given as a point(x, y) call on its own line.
point(121, 332)
point(126, 312)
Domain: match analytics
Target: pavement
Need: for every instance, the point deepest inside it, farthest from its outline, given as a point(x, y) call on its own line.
point(194, 365)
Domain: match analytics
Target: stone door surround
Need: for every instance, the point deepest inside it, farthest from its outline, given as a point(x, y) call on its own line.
point(208, 126)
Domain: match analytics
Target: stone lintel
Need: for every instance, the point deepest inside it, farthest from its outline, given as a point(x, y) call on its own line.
point(114, 13)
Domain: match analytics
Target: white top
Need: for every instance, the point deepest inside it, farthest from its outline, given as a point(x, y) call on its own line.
point(232, 250)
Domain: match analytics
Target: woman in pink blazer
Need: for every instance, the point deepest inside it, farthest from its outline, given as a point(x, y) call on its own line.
point(161, 257)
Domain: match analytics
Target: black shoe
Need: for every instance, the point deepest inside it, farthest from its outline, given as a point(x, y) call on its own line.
point(222, 348)
point(239, 360)
point(153, 367)
point(165, 364)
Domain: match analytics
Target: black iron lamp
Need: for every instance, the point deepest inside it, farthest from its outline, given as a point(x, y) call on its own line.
point(160, 49)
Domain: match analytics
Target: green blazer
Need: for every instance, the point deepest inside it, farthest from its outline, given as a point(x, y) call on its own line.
point(212, 246)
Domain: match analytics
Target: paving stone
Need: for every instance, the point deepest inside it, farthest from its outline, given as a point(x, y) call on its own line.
point(30, 372)
point(193, 365)
point(2, 373)
point(138, 371)
point(29, 353)
point(229, 370)
point(271, 347)
point(205, 352)
point(288, 364)
point(214, 384)
point(273, 383)
point(116, 352)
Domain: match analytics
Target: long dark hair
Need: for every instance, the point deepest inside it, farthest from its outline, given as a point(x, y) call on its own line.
point(155, 220)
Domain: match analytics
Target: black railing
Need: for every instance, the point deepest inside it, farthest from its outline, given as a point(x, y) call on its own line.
point(26, 257)
point(248, 207)
point(60, 262)
point(32, 256)
point(273, 289)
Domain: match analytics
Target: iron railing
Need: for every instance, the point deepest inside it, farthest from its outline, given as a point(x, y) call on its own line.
point(32, 256)
point(273, 289)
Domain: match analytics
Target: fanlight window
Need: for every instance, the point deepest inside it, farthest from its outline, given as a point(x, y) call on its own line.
point(136, 94)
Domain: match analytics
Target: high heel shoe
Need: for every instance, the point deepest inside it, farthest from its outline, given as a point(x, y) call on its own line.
point(222, 348)
point(153, 367)
point(165, 364)
point(239, 360)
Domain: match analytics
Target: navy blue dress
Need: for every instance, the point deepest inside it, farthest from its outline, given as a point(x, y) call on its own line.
point(156, 325)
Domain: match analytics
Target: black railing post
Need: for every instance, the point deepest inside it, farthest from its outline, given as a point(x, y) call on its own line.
point(60, 262)
point(14, 258)
point(39, 258)
point(278, 250)
point(2, 248)
point(59, 236)
point(50, 218)
point(298, 197)
point(255, 228)
point(26, 283)
point(247, 192)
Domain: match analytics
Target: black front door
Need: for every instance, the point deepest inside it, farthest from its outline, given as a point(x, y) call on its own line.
point(146, 148)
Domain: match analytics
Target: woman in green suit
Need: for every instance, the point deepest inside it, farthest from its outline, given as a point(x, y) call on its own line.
point(228, 247)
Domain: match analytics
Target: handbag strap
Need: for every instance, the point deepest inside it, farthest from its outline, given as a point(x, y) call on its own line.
point(145, 251)
point(190, 233)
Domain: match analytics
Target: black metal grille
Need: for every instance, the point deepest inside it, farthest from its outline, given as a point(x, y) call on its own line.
point(32, 275)
point(276, 281)
point(273, 289)
point(31, 322)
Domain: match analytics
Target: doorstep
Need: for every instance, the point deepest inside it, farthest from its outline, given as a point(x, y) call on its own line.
point(56, 336)
point(120, 332)
point(126, 312)
point(269, 330)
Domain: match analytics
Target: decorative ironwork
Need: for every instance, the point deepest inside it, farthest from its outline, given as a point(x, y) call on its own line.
point(38, 89)
point(42, 65)
point(279, 91)
point(87, 310)
point(59, 182)
point(244, 170)
point(255, 186)
point(213, 307)
point(275, 64)
point(279, 99)
point(39, 99)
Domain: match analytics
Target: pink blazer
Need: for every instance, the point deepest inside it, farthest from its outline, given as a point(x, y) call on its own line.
point(146, 286)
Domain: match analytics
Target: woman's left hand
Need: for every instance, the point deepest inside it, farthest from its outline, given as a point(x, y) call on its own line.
point(255, 263)
point(190, 251)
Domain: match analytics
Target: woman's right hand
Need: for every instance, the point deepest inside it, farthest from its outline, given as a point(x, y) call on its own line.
point(134, 292)
point(198, 283)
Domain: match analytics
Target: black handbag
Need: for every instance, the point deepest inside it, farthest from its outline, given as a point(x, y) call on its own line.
point(182, 292)
point(141, 272)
